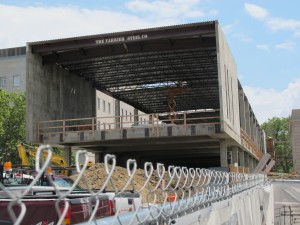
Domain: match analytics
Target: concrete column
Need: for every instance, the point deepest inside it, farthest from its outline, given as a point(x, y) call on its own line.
point(223, 153)
point(99, 157)
point(251, 163)
point(117, 113)
point(136, 117)
point(242, 158)
point(246, 158)
point(68, 154)
point(235, 154)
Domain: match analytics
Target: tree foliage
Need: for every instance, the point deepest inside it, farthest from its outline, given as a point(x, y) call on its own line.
point(12, 124)
point(278, 129)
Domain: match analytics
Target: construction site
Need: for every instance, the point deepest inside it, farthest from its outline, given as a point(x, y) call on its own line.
point(172, 135)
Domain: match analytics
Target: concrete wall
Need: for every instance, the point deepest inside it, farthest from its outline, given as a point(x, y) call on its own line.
point(105, 111)
point(228, 88)
point(128, 110)
point(11, 66)
point(295, 134)
point(53, 93)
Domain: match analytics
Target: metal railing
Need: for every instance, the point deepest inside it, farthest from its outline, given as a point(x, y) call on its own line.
point(191, 189)
point(154, 121)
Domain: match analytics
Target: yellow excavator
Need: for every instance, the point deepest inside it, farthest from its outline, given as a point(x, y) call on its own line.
point(57, 160)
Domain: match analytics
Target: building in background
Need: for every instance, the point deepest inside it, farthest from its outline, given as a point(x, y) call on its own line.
point(295, 134)
point(13, 79)
point(13, 69)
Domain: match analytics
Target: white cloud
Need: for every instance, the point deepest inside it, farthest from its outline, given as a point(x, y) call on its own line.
point(263, 46)
point(268, 103)
point(169, 8)
point(273, 23)
point(256, 11)
point(283, 24)
point(289, 45)
point(43, 23)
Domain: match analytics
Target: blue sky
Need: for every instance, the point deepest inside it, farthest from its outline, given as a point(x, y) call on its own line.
point(264, 36)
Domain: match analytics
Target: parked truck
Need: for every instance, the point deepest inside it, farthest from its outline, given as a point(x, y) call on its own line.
point(40, 206)
point(41, 199)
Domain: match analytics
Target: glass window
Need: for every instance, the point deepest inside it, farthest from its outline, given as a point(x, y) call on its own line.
point(17, 81)
point(103, 105)
point(126, 114)
point(109, 108)
point(130, 116)
point(2, 81)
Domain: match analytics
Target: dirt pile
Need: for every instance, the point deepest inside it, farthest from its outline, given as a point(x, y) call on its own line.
point(96, 176)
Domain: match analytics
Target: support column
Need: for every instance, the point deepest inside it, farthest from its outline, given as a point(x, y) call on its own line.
point(235, 155)
point(98, 157)
point(68, 154)
point(136, 117)
point(223, 153)
point(251, 164)
point(242, 158)
point(246, 160)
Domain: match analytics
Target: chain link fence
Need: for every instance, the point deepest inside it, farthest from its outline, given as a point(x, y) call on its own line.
point(168, 194)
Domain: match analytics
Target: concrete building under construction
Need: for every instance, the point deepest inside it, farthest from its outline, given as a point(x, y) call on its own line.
point(184, 103)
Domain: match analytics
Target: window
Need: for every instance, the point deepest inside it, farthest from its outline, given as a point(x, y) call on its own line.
point(103, 105)
point(130, 117)
point(126, 114)
point(98, 103)
point(108, 108)
point(17, 81)
point(122, 112)
point(2, 81)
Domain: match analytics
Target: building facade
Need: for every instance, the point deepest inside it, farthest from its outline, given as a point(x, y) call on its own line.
point(13, 69)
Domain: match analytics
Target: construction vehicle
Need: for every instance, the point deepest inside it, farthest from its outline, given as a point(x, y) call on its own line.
point(57, 160)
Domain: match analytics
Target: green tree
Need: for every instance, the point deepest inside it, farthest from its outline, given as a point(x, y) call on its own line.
point(278, 129)
point(12, 127)
point(12, 124)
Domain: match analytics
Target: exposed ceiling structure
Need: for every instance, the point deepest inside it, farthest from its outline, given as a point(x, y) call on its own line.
point(145, 68)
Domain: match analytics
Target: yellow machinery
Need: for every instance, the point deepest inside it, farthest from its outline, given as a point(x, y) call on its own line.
point(57, 160)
